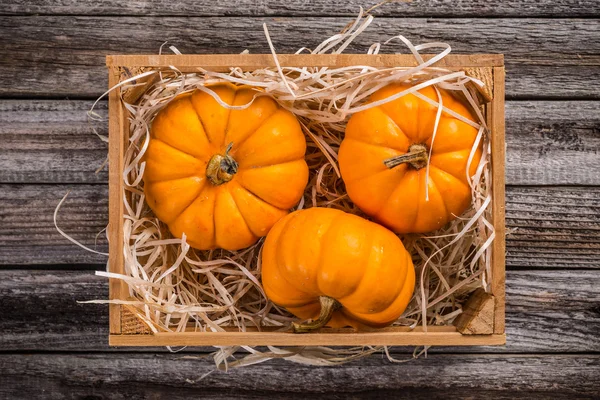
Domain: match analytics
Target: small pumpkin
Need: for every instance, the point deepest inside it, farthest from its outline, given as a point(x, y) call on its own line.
point(385, 152)
point(337, 269)
point(224, 177)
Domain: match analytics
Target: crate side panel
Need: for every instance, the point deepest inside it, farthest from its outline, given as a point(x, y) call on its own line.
point(115, 230)
point(253, 61)
point(310, 339)
point(498, 203)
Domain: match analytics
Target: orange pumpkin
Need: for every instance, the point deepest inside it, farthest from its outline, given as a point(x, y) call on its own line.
point(336, 268)
point(224, 177)
point(384, 155)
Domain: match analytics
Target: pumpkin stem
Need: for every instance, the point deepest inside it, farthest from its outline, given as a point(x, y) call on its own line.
point(328, 306)
point(417, 157)
point(221, 168)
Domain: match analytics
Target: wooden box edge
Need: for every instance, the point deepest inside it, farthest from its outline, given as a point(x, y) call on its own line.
point(118, 125)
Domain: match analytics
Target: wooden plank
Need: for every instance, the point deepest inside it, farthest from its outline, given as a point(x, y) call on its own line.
point(548, 227)
point(557, 66)
point(547, 311)
point(548, 142)
point(477, 316)
point(553, 143)
point(569, 220)
point(172, 376)
point(497, 124)
point(116, 150)
point(378, 338)
point(27, 232)
point(222, 62)
point(51, 142)
point(299, 8)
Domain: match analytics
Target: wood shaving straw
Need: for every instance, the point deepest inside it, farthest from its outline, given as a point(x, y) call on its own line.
point(175, 287)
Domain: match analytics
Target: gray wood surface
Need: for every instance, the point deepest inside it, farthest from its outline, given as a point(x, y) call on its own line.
point(297, 8)
point(549, 227)
point(52, 62)
point(27, 232)
point(547, 312)
point(51, 141)
point(545, 58)
point(142, 376)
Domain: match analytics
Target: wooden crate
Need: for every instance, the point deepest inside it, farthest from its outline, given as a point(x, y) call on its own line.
point(127, 329)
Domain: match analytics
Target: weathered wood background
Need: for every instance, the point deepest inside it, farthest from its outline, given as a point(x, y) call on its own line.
point(52, 64)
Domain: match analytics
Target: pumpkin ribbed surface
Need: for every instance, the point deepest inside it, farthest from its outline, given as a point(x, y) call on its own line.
point(224, 177)
point(320, 252)
point(395, 195)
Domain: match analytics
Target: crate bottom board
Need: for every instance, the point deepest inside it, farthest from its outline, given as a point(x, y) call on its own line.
point(400, 336)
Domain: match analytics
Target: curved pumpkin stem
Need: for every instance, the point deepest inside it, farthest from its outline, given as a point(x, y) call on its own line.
point(417, 157)
point(221, 168)
point(328, 306)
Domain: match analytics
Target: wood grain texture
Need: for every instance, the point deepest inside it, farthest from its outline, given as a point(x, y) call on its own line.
point(553, 142)
point(547, 311)
point(65, 54)
point(297, 8)
point(118, 128)
point(548, 227)
point(27, 232)
point(552, 308)
point(140, 376)
point(51, 141)
point(382, 337)
point(497, 122)
point(248, 62)
point(477, 317)
point(553, 227)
